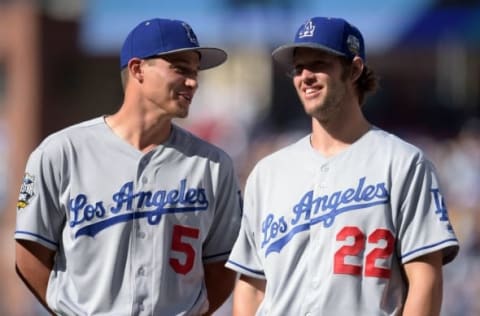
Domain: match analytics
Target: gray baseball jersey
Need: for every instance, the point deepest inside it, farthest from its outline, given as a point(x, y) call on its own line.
point(132, 230)
point(329, 234)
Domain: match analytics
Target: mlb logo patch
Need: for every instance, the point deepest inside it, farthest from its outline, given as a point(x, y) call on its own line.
point(353, 44)
point(26, 191)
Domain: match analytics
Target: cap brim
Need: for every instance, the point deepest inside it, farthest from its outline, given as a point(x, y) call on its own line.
point(284, 54)
point(209, 56)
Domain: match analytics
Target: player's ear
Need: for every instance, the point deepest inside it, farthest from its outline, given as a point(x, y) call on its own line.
point(357, 68)
point(135, 69)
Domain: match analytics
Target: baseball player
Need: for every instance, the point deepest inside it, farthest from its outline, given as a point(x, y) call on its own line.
point(349, 220)
point(129, 214)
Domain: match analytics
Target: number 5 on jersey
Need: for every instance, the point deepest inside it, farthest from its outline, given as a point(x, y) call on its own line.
point(179, 244)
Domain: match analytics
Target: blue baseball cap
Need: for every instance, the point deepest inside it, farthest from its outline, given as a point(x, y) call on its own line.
point(157, 37)
point(332, 35)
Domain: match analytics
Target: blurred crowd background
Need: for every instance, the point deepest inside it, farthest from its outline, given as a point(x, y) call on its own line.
point(59, 65)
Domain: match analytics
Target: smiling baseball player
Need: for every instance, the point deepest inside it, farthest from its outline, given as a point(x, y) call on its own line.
point(349, 220)
point(129, 214)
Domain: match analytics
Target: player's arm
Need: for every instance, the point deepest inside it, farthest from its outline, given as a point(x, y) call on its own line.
point(425, 281)
point(219, 282)
point(33, 264)
point(248, 295)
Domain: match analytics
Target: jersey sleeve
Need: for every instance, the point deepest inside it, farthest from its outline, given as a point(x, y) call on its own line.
point(424, 225)
point(226, 222)
point(38, 216)
point(244, 257)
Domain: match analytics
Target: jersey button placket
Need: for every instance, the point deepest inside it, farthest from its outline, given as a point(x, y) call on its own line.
point(142, 245)
point(142, 169)
point(322, 174)
point(324, 171)
point(324, 168)
point(143, 162)
point(316, 232)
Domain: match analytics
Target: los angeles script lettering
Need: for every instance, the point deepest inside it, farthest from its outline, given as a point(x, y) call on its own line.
point(126, 200)
point(311, 210)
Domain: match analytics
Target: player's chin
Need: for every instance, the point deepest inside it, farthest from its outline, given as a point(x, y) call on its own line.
point(310, 107)
point(182, 108)
point(182, 112)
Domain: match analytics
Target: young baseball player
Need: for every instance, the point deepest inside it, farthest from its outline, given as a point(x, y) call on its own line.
point(129, 214)
point(349, 220)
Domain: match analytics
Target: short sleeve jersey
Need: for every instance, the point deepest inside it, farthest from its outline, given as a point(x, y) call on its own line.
point(330, 234)
point(131, 230)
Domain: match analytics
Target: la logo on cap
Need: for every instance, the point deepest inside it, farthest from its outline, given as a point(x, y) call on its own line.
point(191, 36)
point(308, 29)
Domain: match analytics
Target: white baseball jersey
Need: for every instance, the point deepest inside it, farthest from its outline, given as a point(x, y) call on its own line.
point(329, 234)
point(132, 230)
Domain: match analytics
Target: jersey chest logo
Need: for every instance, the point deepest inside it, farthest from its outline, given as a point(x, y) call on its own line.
point(129, 205)
point(313, 210)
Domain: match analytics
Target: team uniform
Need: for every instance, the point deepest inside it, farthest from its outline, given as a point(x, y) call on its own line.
point(330, 234)
point(131, 230)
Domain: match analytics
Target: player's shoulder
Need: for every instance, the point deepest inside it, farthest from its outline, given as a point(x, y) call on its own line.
point(64, 138)
point(55, 146)
point(79, 130)
point(392, 145)
point(192, 145)
point(292, 150)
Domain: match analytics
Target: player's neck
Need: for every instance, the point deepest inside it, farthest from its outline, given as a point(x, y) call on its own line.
point(332, 138)
point(143, 132)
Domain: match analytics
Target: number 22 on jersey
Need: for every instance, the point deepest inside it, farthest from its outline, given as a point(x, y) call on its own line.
point(383, 243)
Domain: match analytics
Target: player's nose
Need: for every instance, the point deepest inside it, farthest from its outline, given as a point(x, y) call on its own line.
point(192, 82)
point(306, 74)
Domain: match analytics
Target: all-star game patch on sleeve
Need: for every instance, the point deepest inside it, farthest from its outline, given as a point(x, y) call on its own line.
point(38, 216)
